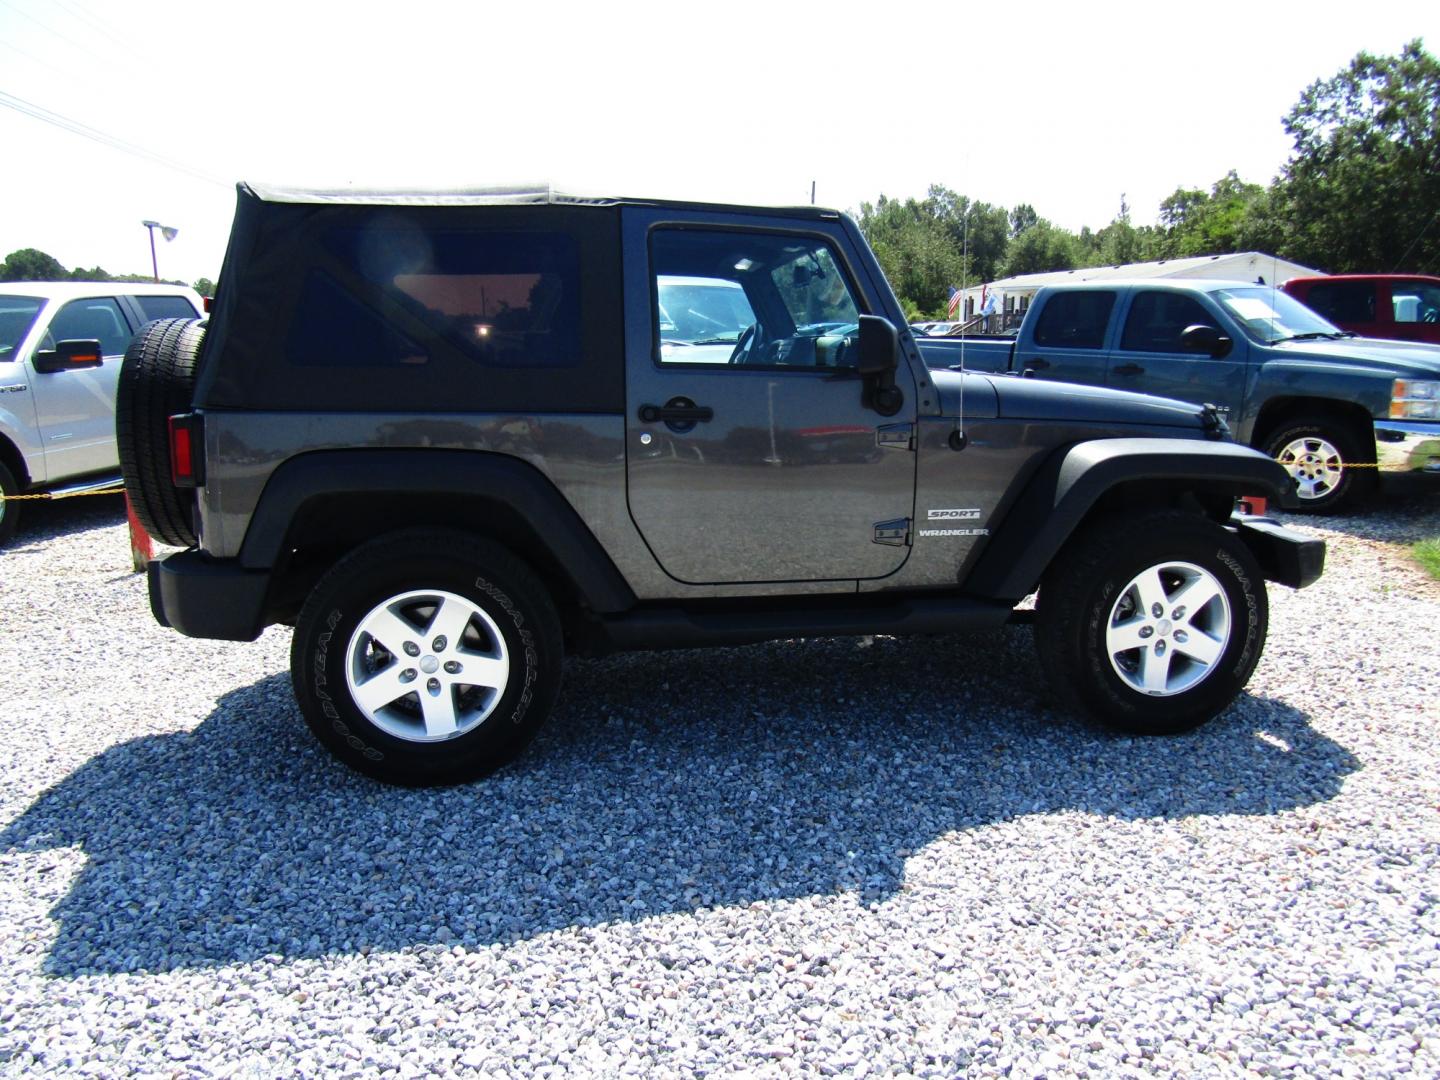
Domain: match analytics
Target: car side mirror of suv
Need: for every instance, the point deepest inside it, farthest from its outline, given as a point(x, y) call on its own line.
point(1201, 338)
point(68, 355)
point(879, 357)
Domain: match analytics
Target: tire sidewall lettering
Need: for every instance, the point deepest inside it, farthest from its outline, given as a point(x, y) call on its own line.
point(527, 648)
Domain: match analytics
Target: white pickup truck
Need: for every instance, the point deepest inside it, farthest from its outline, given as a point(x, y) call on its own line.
point(61, 343)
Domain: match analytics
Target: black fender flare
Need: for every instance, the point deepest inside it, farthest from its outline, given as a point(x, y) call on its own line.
point(520, 486)
point(1069, 484)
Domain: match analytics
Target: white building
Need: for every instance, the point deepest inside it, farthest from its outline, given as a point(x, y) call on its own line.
point(1015, 293)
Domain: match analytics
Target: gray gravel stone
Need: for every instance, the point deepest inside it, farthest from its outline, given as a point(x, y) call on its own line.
point(836, 858)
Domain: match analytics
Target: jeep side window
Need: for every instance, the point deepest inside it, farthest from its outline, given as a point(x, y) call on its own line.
point(1075, 320)
point(750, 300)
point(1157, 319)
point(82, 320)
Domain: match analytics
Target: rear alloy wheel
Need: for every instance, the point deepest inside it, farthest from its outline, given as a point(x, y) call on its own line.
point(1322, 457)
point(1153, 623)
point(426, 657)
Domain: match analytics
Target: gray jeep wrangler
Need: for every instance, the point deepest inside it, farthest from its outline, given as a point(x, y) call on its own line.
point(449, 437)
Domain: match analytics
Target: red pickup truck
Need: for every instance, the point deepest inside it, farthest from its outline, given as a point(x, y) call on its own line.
point(1403, 306)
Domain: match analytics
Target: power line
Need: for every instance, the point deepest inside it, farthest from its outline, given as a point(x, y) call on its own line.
point(85, 130)
point(56, 33)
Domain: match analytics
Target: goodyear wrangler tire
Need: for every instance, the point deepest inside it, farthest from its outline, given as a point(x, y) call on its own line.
point(157, 380)
point(1152, 623)
point(426, 657)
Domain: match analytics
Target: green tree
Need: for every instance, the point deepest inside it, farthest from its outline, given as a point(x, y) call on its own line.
point(28, 264)
point(914, 250)
point(1361, 191)
point(1040, 248)
point(204, 286)
point(1217, 223)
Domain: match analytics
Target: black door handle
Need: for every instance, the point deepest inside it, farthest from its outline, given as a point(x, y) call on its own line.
point(677, 410)
point(1129, 369)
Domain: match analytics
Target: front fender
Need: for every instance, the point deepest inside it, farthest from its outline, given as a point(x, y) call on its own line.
point(1076, 478)
point(17, 424)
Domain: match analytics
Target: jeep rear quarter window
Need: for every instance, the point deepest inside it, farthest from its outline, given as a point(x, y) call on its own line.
point(1075, 320)
point(502, 299)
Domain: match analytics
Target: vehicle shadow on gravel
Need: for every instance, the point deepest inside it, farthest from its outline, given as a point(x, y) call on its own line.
point(47, 519)
point(664, 783)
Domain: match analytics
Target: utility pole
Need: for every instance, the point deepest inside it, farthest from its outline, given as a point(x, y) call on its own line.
point(165, 231)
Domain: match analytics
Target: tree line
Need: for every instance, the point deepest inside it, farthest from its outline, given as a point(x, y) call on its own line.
point(1359, 193)
point(31, 264)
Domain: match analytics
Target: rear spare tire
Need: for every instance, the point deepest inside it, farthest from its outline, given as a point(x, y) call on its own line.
point(157, 380)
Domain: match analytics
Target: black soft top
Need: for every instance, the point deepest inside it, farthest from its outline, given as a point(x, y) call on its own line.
point(301, 321)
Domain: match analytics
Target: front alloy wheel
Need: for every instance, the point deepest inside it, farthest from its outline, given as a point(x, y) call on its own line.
point(1168, 629)
point(1151, 622)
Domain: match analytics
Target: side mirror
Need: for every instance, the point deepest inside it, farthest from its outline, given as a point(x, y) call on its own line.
point(879, 346)
point(1201, 338)
point(68, 356)
point(879, 357)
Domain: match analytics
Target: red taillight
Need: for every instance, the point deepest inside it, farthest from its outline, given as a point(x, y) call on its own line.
point(185, 461)
point(208, 301)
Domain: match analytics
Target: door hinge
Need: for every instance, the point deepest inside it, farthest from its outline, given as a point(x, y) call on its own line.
point(894, 533)
point(895, 436)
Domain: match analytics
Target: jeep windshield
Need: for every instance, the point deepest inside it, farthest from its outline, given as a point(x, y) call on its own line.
point(17, 313)
point(1271, 316)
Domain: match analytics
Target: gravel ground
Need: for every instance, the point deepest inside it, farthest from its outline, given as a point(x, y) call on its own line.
point(802, 858)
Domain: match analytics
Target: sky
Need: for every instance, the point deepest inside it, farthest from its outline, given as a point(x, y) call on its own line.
point(1066, 107)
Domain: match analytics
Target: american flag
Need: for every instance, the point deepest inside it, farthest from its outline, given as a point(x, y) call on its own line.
point(954, 307)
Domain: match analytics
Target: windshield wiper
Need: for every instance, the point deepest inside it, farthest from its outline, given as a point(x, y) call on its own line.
point(1314, 335)
point(716, 341)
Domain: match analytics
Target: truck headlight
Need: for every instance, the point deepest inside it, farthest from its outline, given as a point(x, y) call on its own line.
point(1415, 399)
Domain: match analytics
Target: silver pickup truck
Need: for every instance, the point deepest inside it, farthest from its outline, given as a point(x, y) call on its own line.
point(61, 343)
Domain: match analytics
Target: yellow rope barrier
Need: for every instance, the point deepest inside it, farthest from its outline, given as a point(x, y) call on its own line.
point(71, 495)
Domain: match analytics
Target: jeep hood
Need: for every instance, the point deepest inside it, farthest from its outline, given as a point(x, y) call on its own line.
point(1407, 359)
point(1018, 398)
